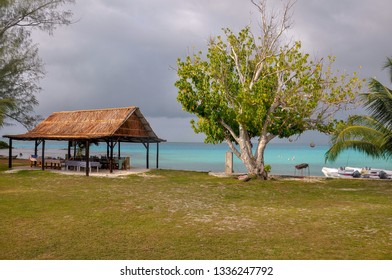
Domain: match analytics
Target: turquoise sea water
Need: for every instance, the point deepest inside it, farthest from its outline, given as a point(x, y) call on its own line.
point(207, 157)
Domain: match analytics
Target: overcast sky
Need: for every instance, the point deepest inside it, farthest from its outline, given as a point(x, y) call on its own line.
point(120, 52)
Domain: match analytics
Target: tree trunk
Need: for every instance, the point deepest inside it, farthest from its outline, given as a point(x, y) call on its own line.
point(254, 163)
point(260, 156)
point(255, 169)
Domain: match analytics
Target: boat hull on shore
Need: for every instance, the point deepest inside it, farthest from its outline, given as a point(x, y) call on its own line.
point(355, 172)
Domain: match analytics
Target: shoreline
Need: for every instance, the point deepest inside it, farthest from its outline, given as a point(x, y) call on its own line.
point(207, 158)
point(121, 173)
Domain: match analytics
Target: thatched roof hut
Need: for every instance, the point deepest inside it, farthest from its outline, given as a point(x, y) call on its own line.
point(127, 124)
point(112, 126)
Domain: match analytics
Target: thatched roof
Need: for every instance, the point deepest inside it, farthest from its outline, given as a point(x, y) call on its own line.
point(125, 124)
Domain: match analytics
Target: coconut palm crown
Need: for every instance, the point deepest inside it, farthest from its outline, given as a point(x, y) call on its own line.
point(371, 134)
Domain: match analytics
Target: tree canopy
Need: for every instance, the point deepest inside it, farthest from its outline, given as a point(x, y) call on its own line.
point(20, 65)
point(260, 88)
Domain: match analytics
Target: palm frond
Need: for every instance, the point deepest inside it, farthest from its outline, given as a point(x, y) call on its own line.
point(388, 64)
point(379, 103)
point(368, 148)
point(361, 120)
point(371, 134)
point(364, 138)
point(354, 126)
point(387, 147)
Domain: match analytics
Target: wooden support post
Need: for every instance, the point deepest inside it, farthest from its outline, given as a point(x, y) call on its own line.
point(69, 150)
point(229, 163)
point(87, 158)
point(119, 149)
point(36, 148)
point(157, 163)
point(74, 143)
point(36, 144)
point(148, 156)
point(43, 155)
point(111, 162)
point(10, 154)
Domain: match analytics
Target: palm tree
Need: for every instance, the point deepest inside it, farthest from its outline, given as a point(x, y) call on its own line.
point(371, 134)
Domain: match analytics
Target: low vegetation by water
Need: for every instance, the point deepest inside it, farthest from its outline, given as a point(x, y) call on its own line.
point(189, 215)
point(3, 145)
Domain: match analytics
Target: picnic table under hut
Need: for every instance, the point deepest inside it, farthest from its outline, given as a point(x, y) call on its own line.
point(111, 126)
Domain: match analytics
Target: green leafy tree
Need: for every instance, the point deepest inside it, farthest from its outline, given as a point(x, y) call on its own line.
point(370, 134)
point(6, 105)
point(257, 88)
point(20, 66)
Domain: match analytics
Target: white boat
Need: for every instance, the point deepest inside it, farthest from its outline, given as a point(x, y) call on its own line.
point(355, 172)
point(340, 172)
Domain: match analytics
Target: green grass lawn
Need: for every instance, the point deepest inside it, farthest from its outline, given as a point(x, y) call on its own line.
point(190, 215)
point(15, 162)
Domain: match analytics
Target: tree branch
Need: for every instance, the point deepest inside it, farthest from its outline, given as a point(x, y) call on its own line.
point(34, 20)
point(232, 147)
point(237, 65)
point(271, 33)
point(230, 130)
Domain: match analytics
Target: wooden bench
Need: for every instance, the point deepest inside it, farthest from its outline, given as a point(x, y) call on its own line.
point(50, 163)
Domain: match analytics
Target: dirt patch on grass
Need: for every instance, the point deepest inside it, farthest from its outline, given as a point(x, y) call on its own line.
point(350, 190)
point(222, 223)
point(148, 175)
point(310, 179)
